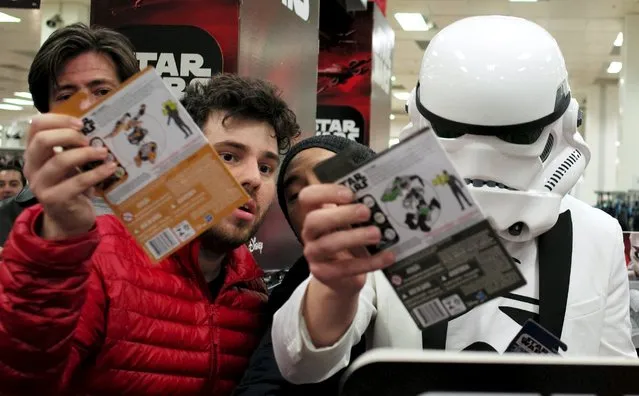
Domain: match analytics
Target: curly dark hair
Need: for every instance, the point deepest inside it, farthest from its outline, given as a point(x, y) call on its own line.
point(243, 97)
point(67, 43)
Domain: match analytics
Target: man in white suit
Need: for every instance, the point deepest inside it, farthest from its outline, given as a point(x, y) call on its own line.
point(495, 90)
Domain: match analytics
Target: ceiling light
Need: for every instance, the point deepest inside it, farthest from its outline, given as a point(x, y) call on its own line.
point(19, 102)
point(8, 18)
point(10, 107)
point(392, 117)
point(412, 22)
point(619, 40)
point(25, 95)
point(523, 1)
point(401, 95)
point(393, 78)
point(615, 67)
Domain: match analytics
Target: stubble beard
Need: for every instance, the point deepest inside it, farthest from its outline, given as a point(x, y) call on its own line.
point(224, 237)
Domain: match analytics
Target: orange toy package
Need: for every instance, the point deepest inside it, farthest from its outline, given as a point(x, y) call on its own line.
point(170, 184)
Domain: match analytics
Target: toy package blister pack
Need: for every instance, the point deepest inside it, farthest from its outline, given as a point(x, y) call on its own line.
point(448, 258)
point(170, 185)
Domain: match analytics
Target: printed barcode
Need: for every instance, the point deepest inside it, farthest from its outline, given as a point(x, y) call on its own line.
point(162, 243)
point(431, 313)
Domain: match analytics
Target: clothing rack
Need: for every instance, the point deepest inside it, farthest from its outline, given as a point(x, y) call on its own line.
point(622, 205)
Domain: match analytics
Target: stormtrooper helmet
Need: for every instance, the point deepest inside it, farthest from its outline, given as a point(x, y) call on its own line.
point(495, 91)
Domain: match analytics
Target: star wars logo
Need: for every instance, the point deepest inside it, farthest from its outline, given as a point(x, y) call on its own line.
point(176, 69)
point(182, 55)
point(301, 8)
point(343, 128)
point(356, 182)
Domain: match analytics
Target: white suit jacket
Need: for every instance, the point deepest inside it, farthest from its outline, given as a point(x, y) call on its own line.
point(583, 293)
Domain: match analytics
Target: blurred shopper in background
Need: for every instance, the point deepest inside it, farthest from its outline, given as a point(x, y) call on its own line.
point(12, 181)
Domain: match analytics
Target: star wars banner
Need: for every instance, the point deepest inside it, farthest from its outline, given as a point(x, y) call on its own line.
point(344, 72)
point(189, 40)
point(34, 4)
point(185, 40)
point(346, 67)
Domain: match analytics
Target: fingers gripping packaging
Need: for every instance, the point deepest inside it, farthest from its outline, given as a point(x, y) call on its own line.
point(170, 184)
point(448, 258)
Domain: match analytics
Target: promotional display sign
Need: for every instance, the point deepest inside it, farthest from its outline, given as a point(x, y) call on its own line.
point(184, 40)
point(35, 4)
point(354, 72)
point(190, 40)
point(344, 72)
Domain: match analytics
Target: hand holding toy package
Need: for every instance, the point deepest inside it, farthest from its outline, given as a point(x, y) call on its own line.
point(448, 258)
point(170, 184)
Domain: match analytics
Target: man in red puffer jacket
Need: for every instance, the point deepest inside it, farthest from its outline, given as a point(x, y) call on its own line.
point(82, 309)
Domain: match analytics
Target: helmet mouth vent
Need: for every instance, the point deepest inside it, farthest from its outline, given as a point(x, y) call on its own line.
point(478, 183)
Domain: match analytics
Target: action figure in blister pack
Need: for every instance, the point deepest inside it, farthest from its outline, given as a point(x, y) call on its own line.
point(117, 176)
point(148, 152)
point(418, 210)
point(136, 135)
point(456, 187)
point(170, 109)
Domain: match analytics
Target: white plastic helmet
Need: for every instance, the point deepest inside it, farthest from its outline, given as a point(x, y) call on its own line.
point(495, 90)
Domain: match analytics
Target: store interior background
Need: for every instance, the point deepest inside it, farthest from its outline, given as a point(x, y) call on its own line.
point(599, 38)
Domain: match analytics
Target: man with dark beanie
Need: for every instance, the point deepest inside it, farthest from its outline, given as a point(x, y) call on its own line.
point(263, 376)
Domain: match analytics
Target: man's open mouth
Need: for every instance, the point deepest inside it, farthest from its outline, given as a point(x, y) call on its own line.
point(478, 183)
point(249, 207)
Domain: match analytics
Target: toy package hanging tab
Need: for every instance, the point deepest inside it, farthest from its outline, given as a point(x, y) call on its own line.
point(448, 258)
point(170, 185)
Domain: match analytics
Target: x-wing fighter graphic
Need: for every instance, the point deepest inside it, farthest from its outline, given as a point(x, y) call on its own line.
point(336, 74)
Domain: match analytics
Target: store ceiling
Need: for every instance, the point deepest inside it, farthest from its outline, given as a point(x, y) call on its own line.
point(18, 44)
point(585, 30)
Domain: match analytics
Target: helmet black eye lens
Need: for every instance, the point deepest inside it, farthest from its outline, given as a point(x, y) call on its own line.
point(529, 136)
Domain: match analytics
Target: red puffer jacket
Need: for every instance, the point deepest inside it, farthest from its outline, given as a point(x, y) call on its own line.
point(93, 316)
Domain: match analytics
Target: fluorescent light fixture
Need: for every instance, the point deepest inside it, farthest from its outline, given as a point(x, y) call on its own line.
point(25, 95)
point(401, 95)
point(392, 117)
point(619, 40)
point(19, 102)
point(615, 67)
point(412, 22)
point(393, 142)
point(10, 107)
point(8, 18)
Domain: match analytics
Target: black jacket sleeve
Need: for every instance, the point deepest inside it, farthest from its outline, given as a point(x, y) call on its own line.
point(11, 208)
point(263, 377)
